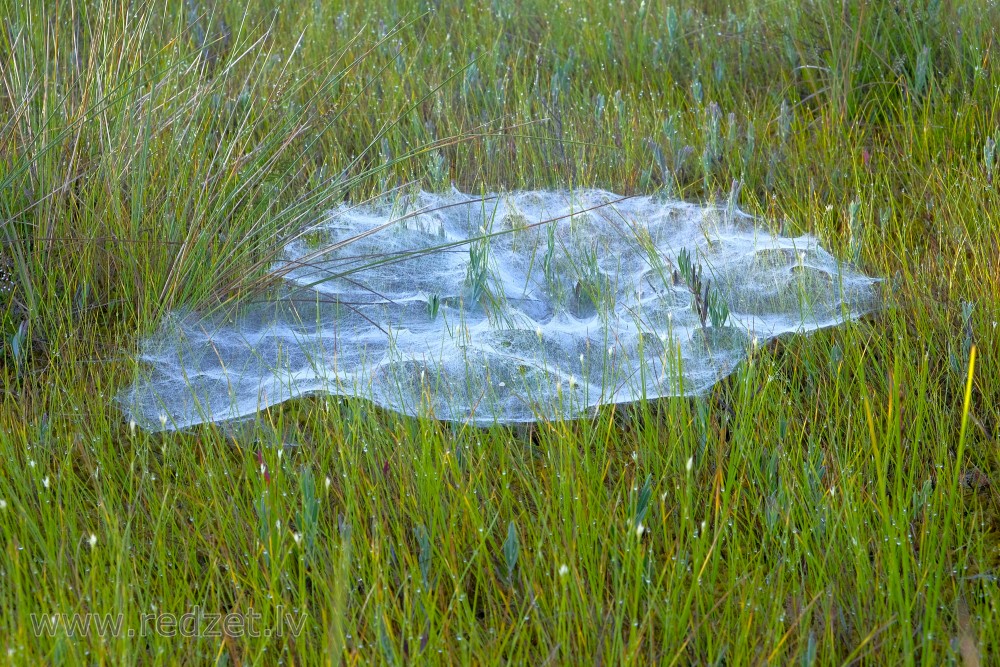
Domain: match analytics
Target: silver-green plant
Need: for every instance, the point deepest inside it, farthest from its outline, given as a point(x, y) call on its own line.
point(854, 229)
point(673, 25)
point(437, 169)
point(718, 309)
point(477, 276)
point(511, 550)
point(433, 306)
point(308, 519)
point(712, 154)
point(785, 121)
point(424, 555)
point(989, 158)
point(922, 71)
point(707, 304)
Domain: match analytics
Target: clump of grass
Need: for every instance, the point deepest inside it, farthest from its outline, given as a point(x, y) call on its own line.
point(433, 306)
point(706, 302)
point(479, 269)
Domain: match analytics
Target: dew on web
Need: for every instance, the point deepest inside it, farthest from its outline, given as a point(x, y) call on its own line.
point(501, 308)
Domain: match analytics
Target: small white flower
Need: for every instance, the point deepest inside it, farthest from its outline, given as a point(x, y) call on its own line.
point(92, 541)
point(611, 351)
point(131, 426)
point(263, 469)
point(31, 463)
point(563, 570)
point(639, 530)
point(45, 482)
point(690, 464)
point(163, 421)
point(280, 452)
point(829, 207)
point(277, 524)
point(297, 537)
point(538, 332)
point(327, 483)
point(581, 359)
point(502, 385)
point(572, 381)
point(833, 490)
point(3, 504)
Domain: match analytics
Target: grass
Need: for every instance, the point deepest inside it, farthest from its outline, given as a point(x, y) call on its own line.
point(835, 501)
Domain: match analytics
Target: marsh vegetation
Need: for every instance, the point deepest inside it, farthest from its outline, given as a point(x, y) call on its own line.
point(834, 500)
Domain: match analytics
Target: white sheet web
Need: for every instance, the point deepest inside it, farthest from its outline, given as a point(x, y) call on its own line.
point(562, 301)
